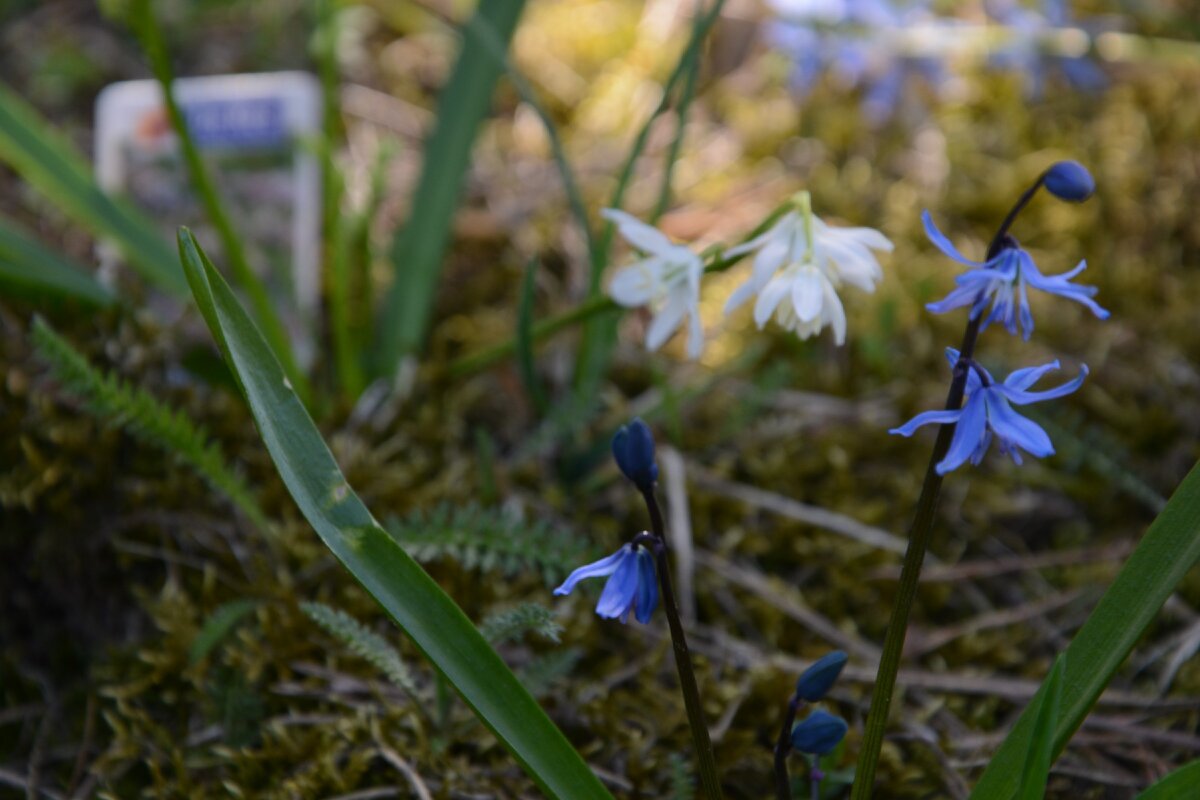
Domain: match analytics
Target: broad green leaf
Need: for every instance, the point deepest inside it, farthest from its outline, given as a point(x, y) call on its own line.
point(29, 269)
point(1041, 745)
point(50, 164)
point(1168, 550)
point(1179, 785)
point(418, 605)
point(420, 245)
point(218, 626)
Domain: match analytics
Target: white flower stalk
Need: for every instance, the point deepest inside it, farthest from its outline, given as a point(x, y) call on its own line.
point(667, 280)
point(799, 266)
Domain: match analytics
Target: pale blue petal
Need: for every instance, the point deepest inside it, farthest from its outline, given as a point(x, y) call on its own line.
point(619, 592)
point(647, 590)
point(958, 297)
point(1021, 397)
point(1017, 430)
point(1022, 379)
point(597, 569)
point(972, 426)
point(926, 418)
point(942, 243)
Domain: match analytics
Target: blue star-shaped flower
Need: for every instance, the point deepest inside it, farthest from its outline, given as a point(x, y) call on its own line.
point(987, 413)
point(1003, 280)
point(631, 584)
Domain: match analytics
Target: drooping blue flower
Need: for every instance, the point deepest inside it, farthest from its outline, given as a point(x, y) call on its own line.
point(988, 413)
point(1004, 280)
point(631, 584)
point(816, 681)
point(1070, 181)
point(819, 733)
point(633, 449)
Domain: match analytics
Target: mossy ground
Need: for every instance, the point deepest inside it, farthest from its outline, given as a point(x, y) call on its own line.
point(115, 556)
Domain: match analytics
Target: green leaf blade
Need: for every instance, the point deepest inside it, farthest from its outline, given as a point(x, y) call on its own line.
point(436, 625)
point(28, 268)
point(1040, 756)
point(1179, 785)
point(50, 164)
point(1170, 548)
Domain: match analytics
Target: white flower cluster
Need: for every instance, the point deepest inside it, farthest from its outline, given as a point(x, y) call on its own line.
point(800, 263)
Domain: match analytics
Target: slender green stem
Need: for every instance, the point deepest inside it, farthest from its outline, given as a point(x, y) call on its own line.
point(783, 747)
point(918, 542)
point(685, 103)
point(705, 761)
point(146, 27)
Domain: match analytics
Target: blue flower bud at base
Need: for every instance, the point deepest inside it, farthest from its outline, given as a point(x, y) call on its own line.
point(633, 449)
point(1070, 181)
point(816, 681)
point(819, 733)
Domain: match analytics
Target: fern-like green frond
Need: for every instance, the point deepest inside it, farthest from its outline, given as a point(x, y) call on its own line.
point(363, 642)
point(145, 418)
point(489, 540)
point(513, 623)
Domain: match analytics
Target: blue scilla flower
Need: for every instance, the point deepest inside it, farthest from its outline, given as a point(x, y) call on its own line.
point(819, 733)
point(630, 587)
point(1004, 280)
point(988, 413)
point(817, 680)
point(633, 449)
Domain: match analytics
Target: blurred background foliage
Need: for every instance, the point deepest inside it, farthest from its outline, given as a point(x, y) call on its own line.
point(116, 560)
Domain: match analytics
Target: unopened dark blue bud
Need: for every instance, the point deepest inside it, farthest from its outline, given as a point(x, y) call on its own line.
point(819, 733)
point(633, 448)
point(1069, 180)
point(817, 679)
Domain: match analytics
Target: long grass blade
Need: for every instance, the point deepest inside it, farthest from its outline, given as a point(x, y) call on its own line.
point(52, 165)
point(1169, 549)
point(432, 620)
point(148, 31)
point(29, 269)
point(1179, 785)
point(1041, 745)
point(599, 333)
point(420, 245)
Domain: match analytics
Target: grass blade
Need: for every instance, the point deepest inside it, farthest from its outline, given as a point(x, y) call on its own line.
point(600, 332)
point(431, 619)
point(29, 269)
point(145, 26)
point(1169, 549)
point(50, 164)
point(420, 245)
point(1040, 756)
point(1179, 785)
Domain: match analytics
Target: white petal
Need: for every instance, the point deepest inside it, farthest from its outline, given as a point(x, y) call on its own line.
point(666, 321)
point(867, 237)
point(807, 294)
point(768, 299)
point(855, 264)
point(638, 233)
point(637, 284)
point(769, 259)
point(739, 296)
point(695, 333)
point(779, 230)
point(835, 314)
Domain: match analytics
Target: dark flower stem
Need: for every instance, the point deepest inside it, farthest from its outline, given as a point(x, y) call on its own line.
point(783, 746)
point(918, 542)
point(706, 763)
point(815, 775)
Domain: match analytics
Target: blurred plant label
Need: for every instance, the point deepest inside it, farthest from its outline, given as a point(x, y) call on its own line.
point(255, 133)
